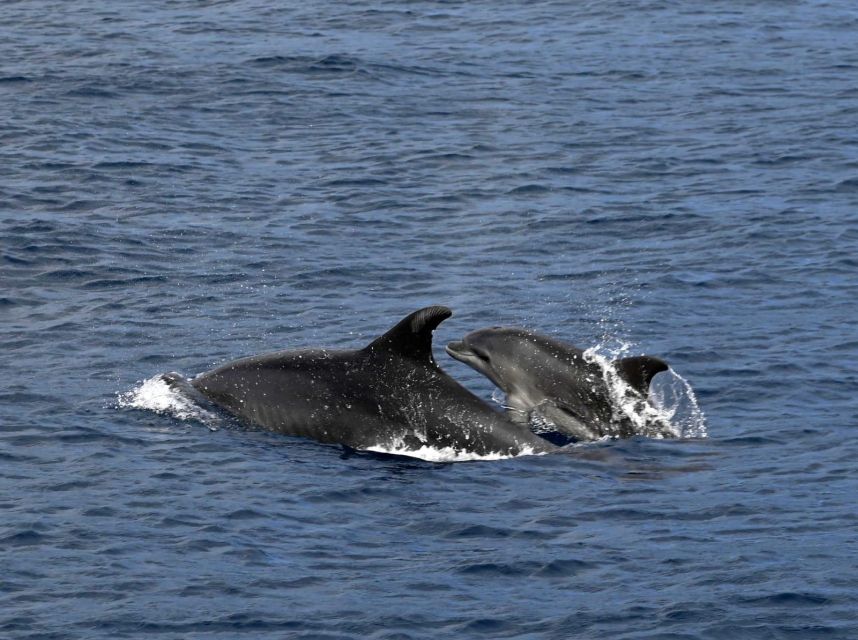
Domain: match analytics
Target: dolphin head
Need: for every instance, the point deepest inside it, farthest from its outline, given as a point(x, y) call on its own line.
point(512, 358)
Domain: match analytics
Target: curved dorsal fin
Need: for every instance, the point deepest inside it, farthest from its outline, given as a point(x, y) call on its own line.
point(638, 371)
point(412, 336)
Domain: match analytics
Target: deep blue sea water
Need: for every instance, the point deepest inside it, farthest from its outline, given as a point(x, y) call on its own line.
point(183, 183)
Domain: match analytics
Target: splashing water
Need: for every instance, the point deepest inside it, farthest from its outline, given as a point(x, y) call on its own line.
point(671, 409)
point(673, 396)
point(156, 395)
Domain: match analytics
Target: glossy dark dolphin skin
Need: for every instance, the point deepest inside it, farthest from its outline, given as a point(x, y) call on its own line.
point(548, 380)
point(390, 394)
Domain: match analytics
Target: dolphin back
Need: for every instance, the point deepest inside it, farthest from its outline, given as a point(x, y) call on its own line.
point(389, 395)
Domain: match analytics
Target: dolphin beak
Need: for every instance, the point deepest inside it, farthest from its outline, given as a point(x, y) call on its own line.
point(459, 351)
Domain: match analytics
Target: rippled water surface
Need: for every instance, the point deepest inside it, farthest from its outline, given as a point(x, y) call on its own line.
point(183, 183)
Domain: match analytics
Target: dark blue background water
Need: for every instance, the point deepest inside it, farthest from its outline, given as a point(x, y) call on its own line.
point(186, 182)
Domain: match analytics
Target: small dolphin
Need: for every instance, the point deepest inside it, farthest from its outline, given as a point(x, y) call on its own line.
point(549, 381)
point(390, 395)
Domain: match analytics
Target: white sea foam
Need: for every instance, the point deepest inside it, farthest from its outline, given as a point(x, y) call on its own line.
point(156, 395)
point(445, 454)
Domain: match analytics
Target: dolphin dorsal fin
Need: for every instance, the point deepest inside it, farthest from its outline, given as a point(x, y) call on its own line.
point(412, 336)
point(638, 371)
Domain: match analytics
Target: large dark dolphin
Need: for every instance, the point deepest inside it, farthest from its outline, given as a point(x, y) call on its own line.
point(547, 380)
point(390, 395)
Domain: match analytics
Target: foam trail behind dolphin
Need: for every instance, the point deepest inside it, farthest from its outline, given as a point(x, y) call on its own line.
point(160, 395)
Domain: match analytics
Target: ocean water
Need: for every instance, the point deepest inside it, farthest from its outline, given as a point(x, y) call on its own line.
point(183, 183)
